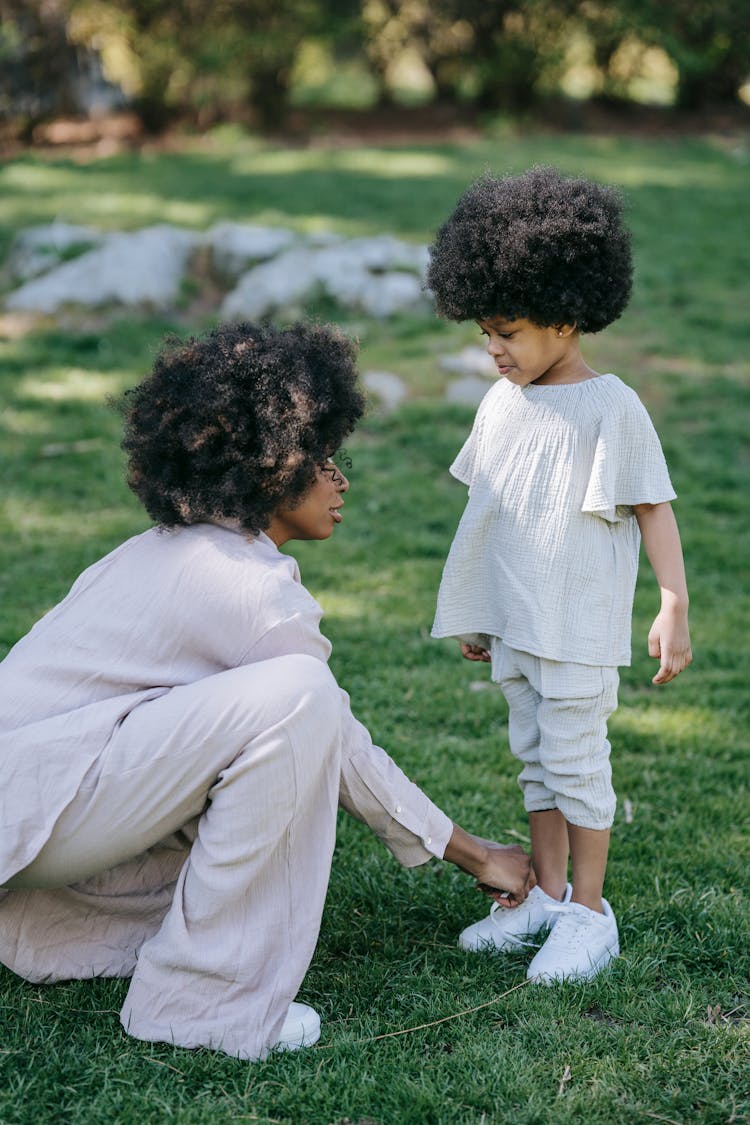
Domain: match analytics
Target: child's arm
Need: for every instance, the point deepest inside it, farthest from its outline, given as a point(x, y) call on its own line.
point(669, 637)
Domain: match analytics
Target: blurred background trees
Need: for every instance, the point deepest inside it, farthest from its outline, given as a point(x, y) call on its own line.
point(206, 61)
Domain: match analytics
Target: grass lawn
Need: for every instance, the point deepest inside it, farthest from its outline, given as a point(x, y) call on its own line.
point(664, 1036)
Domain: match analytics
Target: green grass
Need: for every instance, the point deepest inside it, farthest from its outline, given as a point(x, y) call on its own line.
point(662, 1037)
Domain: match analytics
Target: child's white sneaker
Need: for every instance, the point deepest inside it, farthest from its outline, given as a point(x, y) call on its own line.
point(581, 944)
point(506, 928)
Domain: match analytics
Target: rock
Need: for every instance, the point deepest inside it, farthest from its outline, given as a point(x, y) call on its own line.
point(347, 285)
point(385, 253)
point(390, 389)
point(470, 361)
point(321, 238)
point(422, 258)
point(273, 270)
point(342, 273)
point(338, 270)
point(235, 247)
point(389, 293)
point(142, 268)
point(288, 280)
point(39, 249)
point(470, 390)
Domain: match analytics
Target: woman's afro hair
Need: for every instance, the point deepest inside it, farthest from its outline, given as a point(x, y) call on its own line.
point(233, 424)
point(536, 246)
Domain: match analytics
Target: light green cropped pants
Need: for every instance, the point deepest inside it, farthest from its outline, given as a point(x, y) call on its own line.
point(557, 726)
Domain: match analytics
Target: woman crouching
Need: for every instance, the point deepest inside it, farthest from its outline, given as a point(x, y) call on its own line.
point(173, 745)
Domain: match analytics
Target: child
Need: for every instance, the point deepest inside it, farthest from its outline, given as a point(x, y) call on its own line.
point(565, 474)
point(172, 742)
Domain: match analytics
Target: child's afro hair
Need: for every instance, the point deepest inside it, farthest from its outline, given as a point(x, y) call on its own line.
point(233, 424)
point(535, 246)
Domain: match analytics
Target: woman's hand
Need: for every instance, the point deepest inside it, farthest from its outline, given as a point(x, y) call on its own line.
point(508, 876)
point(502, 871)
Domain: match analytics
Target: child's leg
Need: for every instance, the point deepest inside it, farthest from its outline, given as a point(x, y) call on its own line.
point(589, 849)
point(547, 826)
point(549, 850)
point(507, 929)
point(574, 755)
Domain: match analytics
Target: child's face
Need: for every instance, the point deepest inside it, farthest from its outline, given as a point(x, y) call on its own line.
point(525, 352)
point(316, 515)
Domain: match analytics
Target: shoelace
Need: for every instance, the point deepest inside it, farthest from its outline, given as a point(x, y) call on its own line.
point(495, 909)
point(567, 929)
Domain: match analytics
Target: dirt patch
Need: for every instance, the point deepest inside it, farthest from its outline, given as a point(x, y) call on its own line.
point(92, 138)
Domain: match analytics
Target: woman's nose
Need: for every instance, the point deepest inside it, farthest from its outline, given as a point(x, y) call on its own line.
point(343, 483)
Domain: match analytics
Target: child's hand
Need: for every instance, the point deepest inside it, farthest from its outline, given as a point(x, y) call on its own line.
point(475, 652)
point(669, 642)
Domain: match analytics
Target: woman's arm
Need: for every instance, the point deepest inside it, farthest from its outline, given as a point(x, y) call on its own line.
point(669, 637)
point(374, 789)
point(502, 871)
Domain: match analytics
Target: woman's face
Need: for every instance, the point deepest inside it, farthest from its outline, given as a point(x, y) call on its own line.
point(316, 515)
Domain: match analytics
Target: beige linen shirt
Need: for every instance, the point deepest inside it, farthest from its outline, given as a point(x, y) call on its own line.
point(168, 608)
point(546, 554)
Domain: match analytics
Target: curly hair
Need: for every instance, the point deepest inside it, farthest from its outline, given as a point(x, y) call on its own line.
point(536, 246)
point(233, 424)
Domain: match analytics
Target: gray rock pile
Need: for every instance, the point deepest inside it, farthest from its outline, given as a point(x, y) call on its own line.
point(264, 271)
point(259, 271)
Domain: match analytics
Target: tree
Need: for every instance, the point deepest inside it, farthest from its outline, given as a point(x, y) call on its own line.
point(38, 63)
point(207, 58)
point(497, 54)
point(707, 40)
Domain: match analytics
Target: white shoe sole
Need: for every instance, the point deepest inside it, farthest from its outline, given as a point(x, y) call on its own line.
point(506, 945)
point(545, 977)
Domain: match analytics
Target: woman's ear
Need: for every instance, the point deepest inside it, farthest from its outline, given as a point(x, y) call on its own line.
point(565, 330)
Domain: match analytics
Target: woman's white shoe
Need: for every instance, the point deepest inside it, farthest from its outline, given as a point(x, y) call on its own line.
point(301, 1028)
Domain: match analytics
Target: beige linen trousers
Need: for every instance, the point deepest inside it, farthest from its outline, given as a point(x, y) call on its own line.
point(189, 844)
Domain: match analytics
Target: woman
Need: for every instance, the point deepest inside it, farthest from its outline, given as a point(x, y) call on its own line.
point(174, 746)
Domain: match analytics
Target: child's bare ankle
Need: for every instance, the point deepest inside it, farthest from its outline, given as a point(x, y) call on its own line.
point(555, 888)
point(593, 902)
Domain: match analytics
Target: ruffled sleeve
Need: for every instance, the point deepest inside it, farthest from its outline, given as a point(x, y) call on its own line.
point(463, 466)
point(628, 466)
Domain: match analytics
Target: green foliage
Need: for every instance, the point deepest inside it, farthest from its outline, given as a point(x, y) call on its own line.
point(664, 1035)
point(707, 40)
point(496, 55)
point(37, 62)
point(212, 60)
point(244, 60)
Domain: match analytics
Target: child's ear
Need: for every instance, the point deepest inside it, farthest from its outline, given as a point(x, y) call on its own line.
point(565, 330)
